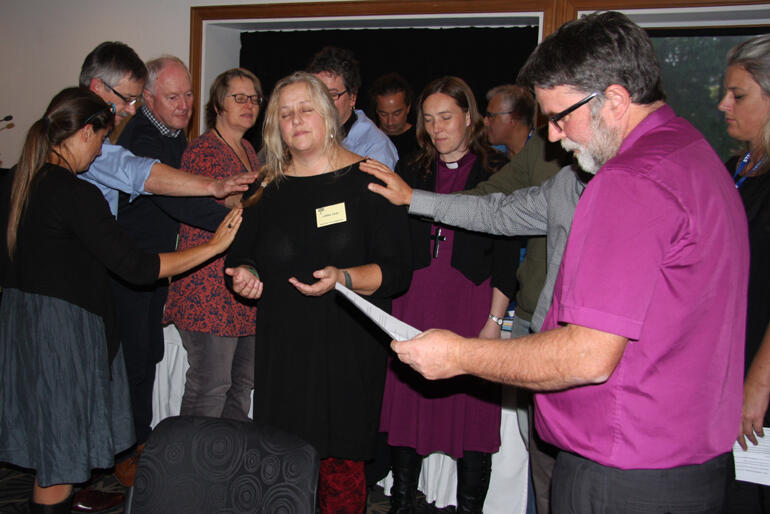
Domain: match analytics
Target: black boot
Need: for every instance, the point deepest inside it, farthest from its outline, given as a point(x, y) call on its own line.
point(58, 508)
point(473, 471)
point(406, 472)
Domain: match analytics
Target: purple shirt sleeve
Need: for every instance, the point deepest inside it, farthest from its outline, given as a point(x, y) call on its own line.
point(625, 225)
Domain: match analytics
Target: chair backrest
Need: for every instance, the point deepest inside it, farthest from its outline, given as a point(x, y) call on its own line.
point(194, 464)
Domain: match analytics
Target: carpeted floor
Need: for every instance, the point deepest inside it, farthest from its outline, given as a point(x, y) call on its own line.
point(16, 487)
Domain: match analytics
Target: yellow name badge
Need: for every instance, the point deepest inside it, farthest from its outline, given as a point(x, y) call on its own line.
point(330, 215)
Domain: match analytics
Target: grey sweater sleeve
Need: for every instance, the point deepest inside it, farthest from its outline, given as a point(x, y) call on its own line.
point(530, 211)
point(562, 193)
point(522, 213)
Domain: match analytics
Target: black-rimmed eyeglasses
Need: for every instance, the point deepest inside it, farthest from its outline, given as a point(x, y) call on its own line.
point(556, 118)
point(337, 95)
point(130, 100)
point(242, 99)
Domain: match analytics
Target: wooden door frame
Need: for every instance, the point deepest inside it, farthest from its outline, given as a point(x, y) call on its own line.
point(555, 13)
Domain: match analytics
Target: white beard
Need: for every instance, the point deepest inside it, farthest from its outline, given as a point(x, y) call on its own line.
point(603, 146)
point(585, 160)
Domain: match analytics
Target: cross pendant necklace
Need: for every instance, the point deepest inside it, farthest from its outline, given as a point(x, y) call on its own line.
point(437, 238)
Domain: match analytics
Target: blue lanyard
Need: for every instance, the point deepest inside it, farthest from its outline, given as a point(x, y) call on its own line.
point(739, 181)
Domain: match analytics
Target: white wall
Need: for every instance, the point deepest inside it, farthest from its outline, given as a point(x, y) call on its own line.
point(44, 43)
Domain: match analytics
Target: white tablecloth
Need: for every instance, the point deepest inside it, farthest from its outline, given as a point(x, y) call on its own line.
point(169, 377)
point(438, 479)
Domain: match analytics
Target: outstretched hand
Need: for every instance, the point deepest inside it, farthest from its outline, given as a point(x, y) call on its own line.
point(226, 231)
point(327, 278)
point(434, 353)
point(234, 184)
point(395, 190)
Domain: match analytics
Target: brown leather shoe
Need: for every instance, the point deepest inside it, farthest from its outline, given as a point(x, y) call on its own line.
point(91, 500)
point(125, 470)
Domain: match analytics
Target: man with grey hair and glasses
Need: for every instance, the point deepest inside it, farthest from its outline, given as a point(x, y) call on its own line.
point(114, 72)
point(509, 117)
point(638, 367)
point(157, 131)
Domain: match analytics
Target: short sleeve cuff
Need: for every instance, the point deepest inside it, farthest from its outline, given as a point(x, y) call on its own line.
point(144, 168)
point(119, 169)
point(598, 320)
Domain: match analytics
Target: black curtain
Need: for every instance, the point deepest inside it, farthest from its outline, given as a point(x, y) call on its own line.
point(483, 57)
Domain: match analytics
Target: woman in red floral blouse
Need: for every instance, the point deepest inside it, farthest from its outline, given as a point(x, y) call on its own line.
point(216, 327)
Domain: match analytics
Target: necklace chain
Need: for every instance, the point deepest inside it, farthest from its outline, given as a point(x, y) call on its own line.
point(245, 165)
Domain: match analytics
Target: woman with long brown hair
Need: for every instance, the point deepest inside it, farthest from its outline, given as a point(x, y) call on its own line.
point(462, 281)
point(64, 406)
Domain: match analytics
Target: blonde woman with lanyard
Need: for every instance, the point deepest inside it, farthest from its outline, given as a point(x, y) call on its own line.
point(746, 105)
point(320, 366)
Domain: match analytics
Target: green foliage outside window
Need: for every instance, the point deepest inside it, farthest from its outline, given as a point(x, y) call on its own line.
point(693, 78)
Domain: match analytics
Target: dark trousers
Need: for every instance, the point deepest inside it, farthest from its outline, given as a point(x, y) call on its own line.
point(139, 312)
point(542, 457)
point(220, 377)
point(583, 486)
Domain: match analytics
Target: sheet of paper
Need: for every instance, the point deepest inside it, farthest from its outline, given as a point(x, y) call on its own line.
point(395, 328)
point(753, 465)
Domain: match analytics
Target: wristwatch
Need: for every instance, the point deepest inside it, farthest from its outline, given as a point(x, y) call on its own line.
point(497, 320)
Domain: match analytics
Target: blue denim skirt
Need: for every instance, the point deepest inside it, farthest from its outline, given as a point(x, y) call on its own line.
point(64, 410)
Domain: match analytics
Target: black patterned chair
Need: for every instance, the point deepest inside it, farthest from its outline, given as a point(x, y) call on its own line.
point(195, 464)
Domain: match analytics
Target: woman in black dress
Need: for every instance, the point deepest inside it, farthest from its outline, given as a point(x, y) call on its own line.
point(64, 406)
point(746, 105)
point(320, 365)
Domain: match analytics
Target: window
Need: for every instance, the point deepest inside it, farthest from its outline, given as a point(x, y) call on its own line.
point(693, 62)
